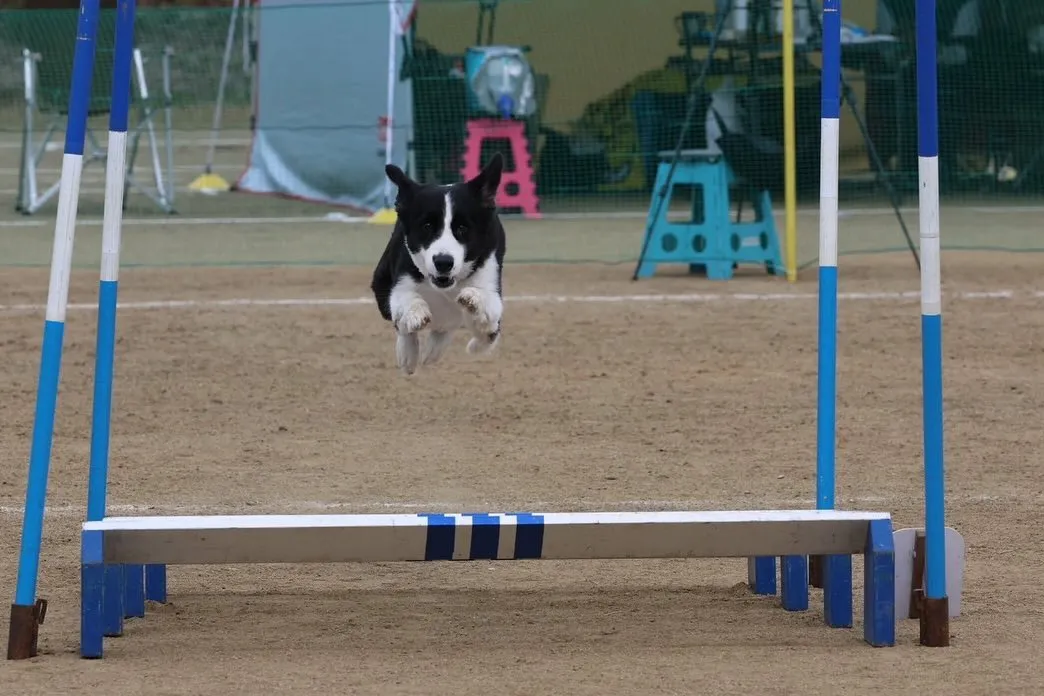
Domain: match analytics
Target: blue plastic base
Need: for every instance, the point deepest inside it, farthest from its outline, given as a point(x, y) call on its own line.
point(879, 585)
point(794, 581)
point(92, 601)
point(133, 591)
point(710, 242)
point(878, 593)
point(156, 583)
point(837, 591)
point(112, 593)
point(112, 615)
point(761, 575)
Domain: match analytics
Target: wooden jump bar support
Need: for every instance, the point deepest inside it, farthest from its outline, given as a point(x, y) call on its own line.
point(153, 542)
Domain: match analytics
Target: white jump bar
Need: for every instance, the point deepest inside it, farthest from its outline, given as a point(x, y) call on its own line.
point(408, 537)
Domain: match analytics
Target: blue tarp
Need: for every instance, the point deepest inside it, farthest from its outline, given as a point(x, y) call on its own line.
point(322, 101)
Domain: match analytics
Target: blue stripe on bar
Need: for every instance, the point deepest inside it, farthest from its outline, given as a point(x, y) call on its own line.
point(529, 535)
point(440, 537)
point(485, 535)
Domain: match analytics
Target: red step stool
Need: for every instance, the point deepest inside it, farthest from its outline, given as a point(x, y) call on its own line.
point(521, 177)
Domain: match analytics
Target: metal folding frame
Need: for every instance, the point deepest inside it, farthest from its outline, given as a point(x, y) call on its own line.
point(160, 191)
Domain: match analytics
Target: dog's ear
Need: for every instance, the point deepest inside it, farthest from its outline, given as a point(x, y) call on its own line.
point(405, 184)
point(399, 178)
point(484, 185)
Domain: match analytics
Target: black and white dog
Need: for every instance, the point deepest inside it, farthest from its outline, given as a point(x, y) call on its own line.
point(442, 266)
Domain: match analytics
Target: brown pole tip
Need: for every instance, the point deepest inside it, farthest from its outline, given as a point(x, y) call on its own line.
point(21, 640)
point(935, 622)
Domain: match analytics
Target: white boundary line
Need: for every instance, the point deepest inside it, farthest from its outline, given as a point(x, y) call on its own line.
point(538, 299)
point(100, 175)
point(96, 190)
point(344, 218)
point(811, 210)
point(746, 502)
point(58, 137)
point(174, 221)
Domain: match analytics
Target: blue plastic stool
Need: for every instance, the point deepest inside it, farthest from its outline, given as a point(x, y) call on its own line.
point(710, 241)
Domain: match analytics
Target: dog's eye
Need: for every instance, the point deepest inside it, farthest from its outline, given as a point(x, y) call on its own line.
point(462, 229)
point(427, 227)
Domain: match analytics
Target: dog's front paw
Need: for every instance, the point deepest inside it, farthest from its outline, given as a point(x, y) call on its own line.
point(470, 299)
point(407, 352)
point(482, 318)
point(483, 343)
point(415, 317)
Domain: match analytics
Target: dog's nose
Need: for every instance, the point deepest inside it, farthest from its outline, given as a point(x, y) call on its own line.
point(443, 263)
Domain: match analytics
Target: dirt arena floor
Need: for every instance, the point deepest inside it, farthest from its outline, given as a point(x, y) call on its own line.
point(266, 383)
point(699, 402)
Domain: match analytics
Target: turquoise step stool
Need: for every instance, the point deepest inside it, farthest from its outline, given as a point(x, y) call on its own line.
point(710, 241)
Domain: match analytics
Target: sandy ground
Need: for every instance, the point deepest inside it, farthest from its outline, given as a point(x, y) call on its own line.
point(699, 395)
point(702, 402)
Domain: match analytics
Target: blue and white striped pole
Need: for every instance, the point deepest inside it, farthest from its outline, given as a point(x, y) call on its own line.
point(102, 585)
point(836, 571)
point(935, 612)
point(830, 129)
point(24, 613)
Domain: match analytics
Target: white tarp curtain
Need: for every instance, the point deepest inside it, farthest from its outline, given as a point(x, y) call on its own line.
point(321, 100)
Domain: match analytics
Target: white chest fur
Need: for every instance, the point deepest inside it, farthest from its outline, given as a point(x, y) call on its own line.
point(446, 314)
point(474, 304)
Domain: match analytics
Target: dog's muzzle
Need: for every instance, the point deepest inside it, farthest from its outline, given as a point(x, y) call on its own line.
point(443, 264)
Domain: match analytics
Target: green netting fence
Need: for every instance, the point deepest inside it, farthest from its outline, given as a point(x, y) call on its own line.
point(613, 78)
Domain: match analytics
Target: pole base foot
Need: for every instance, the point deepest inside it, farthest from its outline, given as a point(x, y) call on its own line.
point(815, 571)
point(935, 622)
point(25, 629)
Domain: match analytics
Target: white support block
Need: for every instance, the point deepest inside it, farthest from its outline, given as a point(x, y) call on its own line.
point(905, 540)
